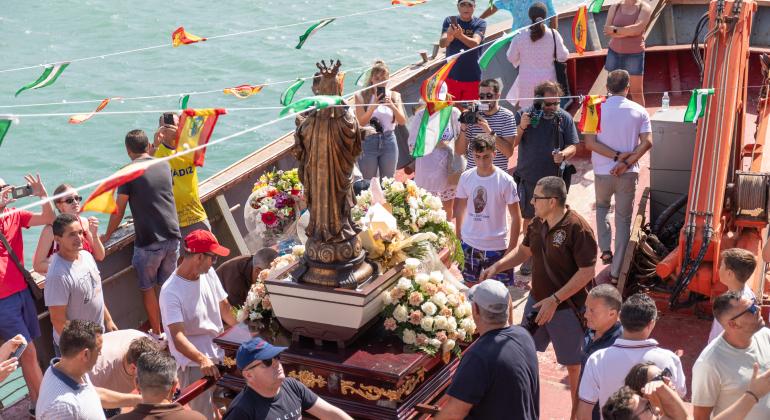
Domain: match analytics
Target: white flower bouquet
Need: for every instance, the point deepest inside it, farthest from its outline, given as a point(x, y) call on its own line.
point(257, 306)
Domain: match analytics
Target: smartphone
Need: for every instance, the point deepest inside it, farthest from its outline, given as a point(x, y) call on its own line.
point(453, 20)
point(21, 192)
point(168, 118)
point(19, 351)
point(380, 92)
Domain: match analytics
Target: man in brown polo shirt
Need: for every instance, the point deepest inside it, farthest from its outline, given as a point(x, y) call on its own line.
point(239, 273)
point(563, 250)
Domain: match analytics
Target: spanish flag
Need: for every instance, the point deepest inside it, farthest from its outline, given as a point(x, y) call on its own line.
point(409, 3)
point(591, 118)
point(438, 111)
point(102, 200)
point(180, 36)
point(195, 129)
point(580, 29)
point(431, 87)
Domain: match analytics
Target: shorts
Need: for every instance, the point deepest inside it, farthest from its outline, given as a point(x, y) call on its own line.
point(526, 190)
point(19, 316)
point(632, 63)
point(477, 260)
point(155, 263)
point(203, 224)
point(564, 331)
point(463, 91)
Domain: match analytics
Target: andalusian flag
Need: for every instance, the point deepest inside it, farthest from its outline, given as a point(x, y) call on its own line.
point(496, 46)
point(81, 118)
point(596, 6)
point(195, 128)
point(438, 110)
point(183, 101)
point(288, 95)
point(5, 125)
point(409, 3)
point(102, 200)
point(180, 37)
point(580, 29)
point(591, 114)
point(319, 102)
point(697, 106)
point(312, 30)
point(49, 76)
point(244, 91)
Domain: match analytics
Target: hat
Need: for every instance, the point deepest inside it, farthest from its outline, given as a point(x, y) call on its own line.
point(256, 349)
point(200, 241)
point(490, 295)
point(473, 2)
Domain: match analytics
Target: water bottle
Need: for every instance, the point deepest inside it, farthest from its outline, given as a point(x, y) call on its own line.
point(664, 102)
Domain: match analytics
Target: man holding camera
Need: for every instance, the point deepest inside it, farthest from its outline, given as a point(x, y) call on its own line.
point(488, 117)
point(546, 138)
point(16, 300)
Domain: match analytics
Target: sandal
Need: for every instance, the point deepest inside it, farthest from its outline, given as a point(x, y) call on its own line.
point(606, 257)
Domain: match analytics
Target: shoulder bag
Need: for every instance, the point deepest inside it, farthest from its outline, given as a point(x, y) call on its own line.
point(33, 287)
point(561, 73)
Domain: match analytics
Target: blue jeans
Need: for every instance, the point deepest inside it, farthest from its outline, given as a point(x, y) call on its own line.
point(154, 263)
point(380, 152)
point(632, 63)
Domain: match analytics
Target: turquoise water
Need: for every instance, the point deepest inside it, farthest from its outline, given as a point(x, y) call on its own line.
point(39, 32)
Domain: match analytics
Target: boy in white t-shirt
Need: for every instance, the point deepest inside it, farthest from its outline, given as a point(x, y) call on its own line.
point(735, 269)
point(483, 194)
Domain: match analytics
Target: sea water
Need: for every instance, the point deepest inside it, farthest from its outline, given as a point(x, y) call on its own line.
point(32, 33)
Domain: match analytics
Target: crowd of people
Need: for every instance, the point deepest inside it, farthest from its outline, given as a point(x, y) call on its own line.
point(507, 213)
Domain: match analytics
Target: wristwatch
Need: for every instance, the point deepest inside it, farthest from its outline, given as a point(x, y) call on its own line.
point(558, 301)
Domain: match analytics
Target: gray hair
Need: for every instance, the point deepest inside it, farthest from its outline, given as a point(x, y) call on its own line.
point(263, 257)
point(609, 294)
point(155, 372)
point(494, 318)
point(553, 186)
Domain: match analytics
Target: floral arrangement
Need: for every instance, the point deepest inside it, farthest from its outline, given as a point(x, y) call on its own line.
point(257, 306)
point(427, 312)
point(275, 201)
point(416, 211)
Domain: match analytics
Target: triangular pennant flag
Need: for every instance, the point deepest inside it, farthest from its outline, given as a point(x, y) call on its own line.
point(288, 95)
point(81, 118)
point(182, 37)
point(195, 128)
point(49, 76)
point(696, 108)
point(361, 81)
point(5, 125)
point(244, 91)
point(580, 29)
point(591, 114)
point(183, 101)
point(496, 46)
point(432, 127)
point(596, 6)
point(312, 30)
point(409, 3)
point(102, 200)
point(319, 102)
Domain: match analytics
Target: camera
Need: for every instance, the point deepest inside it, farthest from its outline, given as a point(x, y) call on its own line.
point(470, 115)
point(529, 323)
point(536, 113)
point(21, 192)
point(376, 124)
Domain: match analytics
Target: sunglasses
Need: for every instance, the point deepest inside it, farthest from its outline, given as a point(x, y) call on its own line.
point(665, 374)
point(752, 309)
point(487, 95)
point(265, 363)
point(212, 256)
point(71, 200)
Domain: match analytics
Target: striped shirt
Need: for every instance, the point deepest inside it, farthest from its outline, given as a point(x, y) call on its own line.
point(61, 397)
point(503, 123)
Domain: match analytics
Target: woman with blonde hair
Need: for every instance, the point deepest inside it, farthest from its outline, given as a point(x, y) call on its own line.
point(382, 109)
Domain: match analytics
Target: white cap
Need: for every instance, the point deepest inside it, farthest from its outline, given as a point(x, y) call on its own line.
point(490, 295)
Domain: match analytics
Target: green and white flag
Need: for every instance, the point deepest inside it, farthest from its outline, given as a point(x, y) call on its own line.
point(319, 102)
point(288, 95)
point(5, 125)
point(49, 76)
point(697, 106)
point(432, 127)
point(312, 30)
point(363, 77)
point(496, 46)
point(183, 101)
point(595, 6)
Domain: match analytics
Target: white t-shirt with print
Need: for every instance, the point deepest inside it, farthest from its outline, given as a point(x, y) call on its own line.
point(196, 305)
point(485, 224)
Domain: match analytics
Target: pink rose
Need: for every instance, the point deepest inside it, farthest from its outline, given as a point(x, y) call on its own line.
point(415, 317)
point(441, 336)
point(452, 335)
point(431, 289)
point(415, 299)
point(446, 311)
point(390, 324)
point(396, 293)
point(421, 340)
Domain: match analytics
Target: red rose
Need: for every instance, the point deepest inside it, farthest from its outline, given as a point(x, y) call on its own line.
point(269, 219)
point(295, 192)
point(272, 193)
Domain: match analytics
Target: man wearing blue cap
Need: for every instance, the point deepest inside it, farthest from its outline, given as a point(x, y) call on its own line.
point(269, 394)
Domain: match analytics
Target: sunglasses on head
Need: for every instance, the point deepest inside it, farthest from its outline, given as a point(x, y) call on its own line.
point(752, 309)
point(486, 96)
point(665, 374)
point(70, 200)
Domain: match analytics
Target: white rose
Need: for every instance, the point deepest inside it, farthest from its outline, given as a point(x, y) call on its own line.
point(400, 313)
point(453, 300)
point(255, 316)
point(404, 283)
point(452, 324)
point(412, 202)
point(440, 322)
point(397, 186)
point(421, 279)
point(433, 202)
point(434, 342)
point(427, 324)
point(421, 221)
point(439, 299)
point(412, 263)
point(467, 308)
point(460, 334)
point(386, 298)
point(468, 325)
point(429, 308)
point(409, 336)
point(240, 316)
point(450, 289)
point(449, 345)
point(436, 276)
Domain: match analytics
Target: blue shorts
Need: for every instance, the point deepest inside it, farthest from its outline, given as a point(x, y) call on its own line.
point(632, 63)
point(564, 331)
point(19, 316)
point(477, 260)
point(155, 263)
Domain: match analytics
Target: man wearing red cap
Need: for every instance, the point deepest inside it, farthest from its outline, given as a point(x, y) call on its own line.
point(193, 305)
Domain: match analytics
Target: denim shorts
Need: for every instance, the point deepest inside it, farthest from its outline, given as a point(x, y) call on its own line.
point(155, 263)
point(477, 260)
point(632, 63)
point(19, 316)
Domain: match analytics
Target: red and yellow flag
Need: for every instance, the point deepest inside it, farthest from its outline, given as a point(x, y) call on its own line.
point(244, 91)
point(180, 36)
point(81, 118)
point(591, 118)
point(429, 91)
point(195, 129)
point(580, 29)
point(409, 3)
point(102, 200)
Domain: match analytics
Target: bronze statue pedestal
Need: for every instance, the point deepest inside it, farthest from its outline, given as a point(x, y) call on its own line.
point(340, 264)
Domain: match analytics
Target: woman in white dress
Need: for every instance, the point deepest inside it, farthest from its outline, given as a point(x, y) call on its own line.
point(532, 51)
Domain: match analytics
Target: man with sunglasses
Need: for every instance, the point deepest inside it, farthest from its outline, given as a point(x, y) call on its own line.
point(193, 305)
point(724, 370)
point(268, 393)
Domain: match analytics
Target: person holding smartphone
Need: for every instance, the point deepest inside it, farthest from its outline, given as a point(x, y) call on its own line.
point(459, 33)
point(10, 352)
point(381, 109)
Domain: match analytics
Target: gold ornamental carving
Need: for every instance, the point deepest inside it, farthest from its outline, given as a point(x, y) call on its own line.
point(228, 362)
point(375, 393)
point(308, 379)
